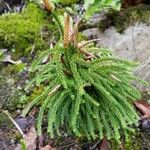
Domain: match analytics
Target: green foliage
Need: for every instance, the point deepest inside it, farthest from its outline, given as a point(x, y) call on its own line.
point(130, 16)
point(96, 5)
point(92, 98)
point(1, 54)
point(19, 32)
point(62, 2)
point(65, 2)
point(90, 6)
point(23, 144)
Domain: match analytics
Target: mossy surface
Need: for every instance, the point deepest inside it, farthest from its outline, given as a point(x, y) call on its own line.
point(133, 141)
point(21, 32)
point(67, 2)
point(121, 20)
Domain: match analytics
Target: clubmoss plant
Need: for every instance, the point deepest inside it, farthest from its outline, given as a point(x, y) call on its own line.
point(87, 89)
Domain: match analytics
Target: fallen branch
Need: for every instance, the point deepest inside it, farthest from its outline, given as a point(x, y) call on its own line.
point(13, 121)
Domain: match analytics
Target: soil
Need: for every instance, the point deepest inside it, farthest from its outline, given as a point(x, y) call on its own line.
point(9, 138)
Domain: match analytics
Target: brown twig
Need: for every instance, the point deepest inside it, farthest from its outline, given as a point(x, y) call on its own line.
point(88, 54)
point(67, 72)
point(88, 42)
point(13, 121)
point(88, 57)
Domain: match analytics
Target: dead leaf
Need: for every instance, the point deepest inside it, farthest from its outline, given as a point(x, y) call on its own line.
point(144, 108)
point(30, 139)
point(25, 123)
point(47, 147)
point(105, 145)
point(41, 142)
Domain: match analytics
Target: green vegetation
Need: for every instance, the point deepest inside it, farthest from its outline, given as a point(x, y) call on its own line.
point(21, 32)
point(90, 6)
point(130, 16)
point(94, 6)
point(87, 89)
point(65, 2)
point(80, 89)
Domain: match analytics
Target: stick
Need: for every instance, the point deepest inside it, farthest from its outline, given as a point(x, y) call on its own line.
point(87, 53)
point(13, 121)
point(88, 42)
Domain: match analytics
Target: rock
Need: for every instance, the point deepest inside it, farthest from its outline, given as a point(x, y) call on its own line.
point(8, 92)
point(13, 78)
point(7, 59)
point(145, 136)
point(145, 124)
point(97, 20)
point(25, 123)
point(133, 44)
point(11, 6)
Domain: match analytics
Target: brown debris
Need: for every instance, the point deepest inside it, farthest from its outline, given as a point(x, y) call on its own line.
point(105, 145)
point(144, 108)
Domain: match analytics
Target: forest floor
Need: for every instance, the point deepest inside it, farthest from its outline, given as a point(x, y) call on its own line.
point(13, 82)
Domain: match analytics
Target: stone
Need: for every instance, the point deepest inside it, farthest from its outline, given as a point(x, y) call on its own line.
point(11, 6)
point(133, 44)
point(145, 124)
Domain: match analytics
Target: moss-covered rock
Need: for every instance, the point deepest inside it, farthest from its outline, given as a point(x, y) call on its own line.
point(21, 32)
point(7, 93)
point(121, 20)
point(11, 85)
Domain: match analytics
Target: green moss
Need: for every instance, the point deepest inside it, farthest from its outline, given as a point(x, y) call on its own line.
point(24, 99)
point(20, 32)
point(36, 91)
point(13, 69)
point(121, 20)
point(68, 2)
point(133, 141)
point(81, 37)
point(102, 25)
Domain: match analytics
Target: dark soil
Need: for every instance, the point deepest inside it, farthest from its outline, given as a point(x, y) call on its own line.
point(7, 134)
point(9, 139)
